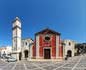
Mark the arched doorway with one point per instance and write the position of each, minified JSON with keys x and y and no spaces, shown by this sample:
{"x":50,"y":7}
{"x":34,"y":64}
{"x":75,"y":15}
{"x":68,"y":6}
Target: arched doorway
{"x":20,"y":55}
{"x":26,"y":54}
{"x":69,"y":53}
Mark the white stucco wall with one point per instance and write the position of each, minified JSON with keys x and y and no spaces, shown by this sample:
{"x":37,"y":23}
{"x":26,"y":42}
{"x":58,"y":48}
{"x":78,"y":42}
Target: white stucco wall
{"x":16,"y":36}
{"x":37,"y":46}
{"x":7,"y":50}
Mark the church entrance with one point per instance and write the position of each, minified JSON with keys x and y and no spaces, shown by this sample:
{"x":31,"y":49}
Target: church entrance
{"x":26,"y":54}
{"x":47,"y":54}
{"x":69,"y":53}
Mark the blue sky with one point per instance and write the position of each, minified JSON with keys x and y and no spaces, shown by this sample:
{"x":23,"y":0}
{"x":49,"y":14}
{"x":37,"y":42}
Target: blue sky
{"x":65,"y":16}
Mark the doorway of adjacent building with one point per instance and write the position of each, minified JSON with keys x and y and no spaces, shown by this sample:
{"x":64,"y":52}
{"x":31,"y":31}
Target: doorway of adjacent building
{"x":20,"y":55}
{"x":47,"y":54}
{"x":69,"y":53}
{"x":26,"y":54}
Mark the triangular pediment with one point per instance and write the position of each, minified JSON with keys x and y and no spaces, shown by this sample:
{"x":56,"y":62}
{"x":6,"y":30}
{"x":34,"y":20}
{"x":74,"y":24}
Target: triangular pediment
{"x":47,"y":31}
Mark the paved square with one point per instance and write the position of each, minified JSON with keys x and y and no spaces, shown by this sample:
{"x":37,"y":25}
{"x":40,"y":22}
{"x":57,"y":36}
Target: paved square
{"x":74,"y":63}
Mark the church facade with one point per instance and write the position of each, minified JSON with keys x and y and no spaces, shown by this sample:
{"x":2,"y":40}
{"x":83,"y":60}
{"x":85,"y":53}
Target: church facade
{"x":46,"y":45}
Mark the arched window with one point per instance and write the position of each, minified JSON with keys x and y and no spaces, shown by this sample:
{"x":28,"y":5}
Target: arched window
{"x":26,"y":43}
{"x":69,"y":43}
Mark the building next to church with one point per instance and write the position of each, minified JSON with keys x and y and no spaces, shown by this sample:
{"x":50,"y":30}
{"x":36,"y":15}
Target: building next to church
{"x":69,"y":48}
{"x":5,"y":51}
{"x":20,"y":47}
{"x":27,"y":48}
{"x":47,"y":44}
{"x":16,"y":38}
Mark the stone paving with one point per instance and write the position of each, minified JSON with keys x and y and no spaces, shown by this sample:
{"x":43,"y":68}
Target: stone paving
{"x":74,"y":63}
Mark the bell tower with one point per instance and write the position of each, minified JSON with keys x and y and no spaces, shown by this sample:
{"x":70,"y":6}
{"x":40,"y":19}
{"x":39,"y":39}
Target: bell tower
{"x":16,"y":37}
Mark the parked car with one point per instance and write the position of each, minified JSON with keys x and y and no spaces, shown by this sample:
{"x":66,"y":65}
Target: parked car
{"x":11,"y":59}
{"x":7,"y":57}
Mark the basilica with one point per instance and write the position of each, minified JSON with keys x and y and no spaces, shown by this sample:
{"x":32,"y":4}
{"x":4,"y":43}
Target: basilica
{"x":47,"y":44}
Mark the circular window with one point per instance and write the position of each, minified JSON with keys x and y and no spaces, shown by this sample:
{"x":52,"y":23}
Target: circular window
{"x":47,"y":38}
